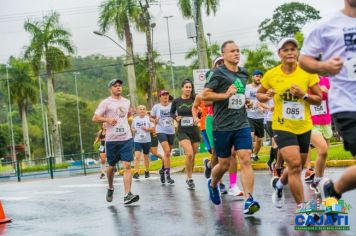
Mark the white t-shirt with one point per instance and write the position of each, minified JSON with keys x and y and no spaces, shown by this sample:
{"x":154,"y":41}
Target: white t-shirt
{"x":268,"y":113}
{"x":336,"y":36}
{"x":253,"y":112}
{"x":118,"y":110}
{"x":165,"y":123}
{"x":141,"y":136}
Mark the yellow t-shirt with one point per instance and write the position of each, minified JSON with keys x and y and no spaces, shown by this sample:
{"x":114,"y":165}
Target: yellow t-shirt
{"x":291,"y":113}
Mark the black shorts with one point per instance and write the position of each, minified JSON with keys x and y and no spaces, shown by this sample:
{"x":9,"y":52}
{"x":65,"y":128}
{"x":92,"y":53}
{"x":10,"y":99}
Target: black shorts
{"x":285,"y":139}
{"x":154,"y":141}
{"x":142,"y":147}
{"x":189,"y":133}
{"x":268,"y":128}
{"x":257,"y":127}
{"x":102,"y":146}
{"x":345,"y":123}
{"x":162,"y":137}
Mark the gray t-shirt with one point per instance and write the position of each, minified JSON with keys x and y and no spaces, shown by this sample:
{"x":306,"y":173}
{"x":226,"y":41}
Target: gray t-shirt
{"x":141,"y":135}
{"x":229,"y":114}
{"x":165,"y":123}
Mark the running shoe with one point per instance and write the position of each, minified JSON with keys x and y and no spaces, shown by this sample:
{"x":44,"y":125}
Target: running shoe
{"x":109,"y":195}
{"x":207,"y":169}
{"x":136,"y":176}
{"x":131,"y":198}
{"x":161,"y":174}
{"x":214,"y":194}
{"x":315,"y":187}
{"x":254,"y":157}
{"x":222,"y":188}
{"x":147,"y":174}
{"x":277,"y":171}
{"x":325,"y":187}
{"x":102,"y":175}
{"x":169,"y":180}
{"x":277,"y":196}
{"x":309,"y":175}
{"x":235,"y":191}
{"x":251,"y":206}
{"x":190,"y":184}
{"x":270,"y":167}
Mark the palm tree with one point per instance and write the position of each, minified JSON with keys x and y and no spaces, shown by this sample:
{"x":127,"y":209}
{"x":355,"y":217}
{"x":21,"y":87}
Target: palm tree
{"x":212,"y":52}
{"x":187,"y":9}
{"x":49,"y":42}
{"x":118,"y":14}
{"x":23,"y":91}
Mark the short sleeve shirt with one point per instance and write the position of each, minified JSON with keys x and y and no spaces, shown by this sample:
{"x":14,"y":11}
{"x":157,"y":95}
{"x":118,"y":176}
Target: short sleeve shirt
{"x":253,"y":112}
{"x":141,"y":135}
{"x":165,"y":123}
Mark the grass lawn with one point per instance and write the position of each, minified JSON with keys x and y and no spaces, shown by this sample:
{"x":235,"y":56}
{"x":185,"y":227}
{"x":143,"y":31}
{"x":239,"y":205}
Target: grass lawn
{"x":336,"y":152}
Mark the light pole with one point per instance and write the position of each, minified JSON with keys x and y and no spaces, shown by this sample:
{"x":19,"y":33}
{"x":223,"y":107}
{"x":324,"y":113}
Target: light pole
{"x":130,"y":70}
{"x":60,"y":133}
{"x":170,"y":55}
{"x":78,"y":115}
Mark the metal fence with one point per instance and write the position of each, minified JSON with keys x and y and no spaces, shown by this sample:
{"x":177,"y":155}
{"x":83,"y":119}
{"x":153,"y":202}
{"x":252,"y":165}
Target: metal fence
{"x":73,"y":164}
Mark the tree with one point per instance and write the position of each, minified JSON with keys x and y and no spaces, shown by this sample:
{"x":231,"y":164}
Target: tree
{"x":23,"y":90}
{"x":118,"y":14}
{"x":261,"y":58}
{"x":49,"y":41}
{"x":193,"y":10}
{"x":213,"y":51}
{"x":287,"y":20}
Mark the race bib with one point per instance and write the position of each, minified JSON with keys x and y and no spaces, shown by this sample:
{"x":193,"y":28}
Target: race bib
{"x":293,"y":110}
{"x":186,"y":121}
{"x":101,"y":148}
{"x":351,"y":68}
{"x":142,"y":135}
{"x":119,"y":130}
{"x":318,"y":110}
{"x":167,"y":122}
{"x":236,"y":101}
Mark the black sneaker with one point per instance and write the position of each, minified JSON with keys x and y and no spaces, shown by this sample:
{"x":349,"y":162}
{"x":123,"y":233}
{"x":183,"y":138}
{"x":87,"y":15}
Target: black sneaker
{"x":130,"y":198}
{"x":147,"y":174}
{"x":170,"y":180}
{"x":109,"y":195}
{"x":190,"y":184}
{"x":136,"y":176}
{"x":161,"y":174}
{"x":270,"y":167}
{"x":254,"y":157}
{"x":277,"y":196}
{"x":102,"y":175}
{"x":207,"y":169}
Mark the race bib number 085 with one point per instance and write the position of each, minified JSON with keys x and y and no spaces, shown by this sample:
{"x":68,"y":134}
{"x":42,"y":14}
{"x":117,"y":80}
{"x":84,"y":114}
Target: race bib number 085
{"x":236,"y":101}
{"x":293,"y":110}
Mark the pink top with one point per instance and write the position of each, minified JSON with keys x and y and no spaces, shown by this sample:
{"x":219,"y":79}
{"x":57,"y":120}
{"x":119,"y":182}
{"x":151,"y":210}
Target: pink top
{"x":321,"y":114}
{"x":118,"y":110}
{"x":210,"y":110}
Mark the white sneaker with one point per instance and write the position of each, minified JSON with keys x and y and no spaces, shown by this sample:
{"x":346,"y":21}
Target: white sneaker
{"x":235,"y":191}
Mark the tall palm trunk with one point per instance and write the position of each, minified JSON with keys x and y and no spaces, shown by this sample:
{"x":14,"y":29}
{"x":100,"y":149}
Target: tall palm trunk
{"x":151,"y":68}
{"x":203,"y":53}
{"x":130,"y":66}
{"x":26,"y":138}
{"x":53,"y":120}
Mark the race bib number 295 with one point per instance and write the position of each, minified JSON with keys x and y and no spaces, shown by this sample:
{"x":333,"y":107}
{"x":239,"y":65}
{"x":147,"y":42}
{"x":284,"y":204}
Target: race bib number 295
{"x":236,"y":101}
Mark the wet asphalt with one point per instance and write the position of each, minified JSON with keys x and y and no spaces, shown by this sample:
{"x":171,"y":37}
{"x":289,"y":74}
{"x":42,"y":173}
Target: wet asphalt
{"x":77,"y":206}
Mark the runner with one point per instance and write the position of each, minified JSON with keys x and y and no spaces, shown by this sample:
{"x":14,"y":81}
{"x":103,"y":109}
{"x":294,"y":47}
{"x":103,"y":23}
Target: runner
{"x":255,"y":114}
{"x":154,"y":143}
{"x":114,"y":111}
{"x":226,"y":88}
{"x":267,"y":121}
{"x":188,"y":131}
{"x":160,"y":114}
{"x":288,"y":84}
{"x":141,"y":128}
{"x":101,"y":137}
{"x":321,"y":134}
{"x":333,"y":37}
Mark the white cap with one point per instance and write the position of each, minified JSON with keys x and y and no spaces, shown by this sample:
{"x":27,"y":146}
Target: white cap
{"x":220,"y":58}
{"x":286,"y":40}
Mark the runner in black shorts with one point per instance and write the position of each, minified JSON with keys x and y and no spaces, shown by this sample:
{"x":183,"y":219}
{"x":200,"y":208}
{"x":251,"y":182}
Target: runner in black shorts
{"x":101,"y":137}
{"x":188,"y":131}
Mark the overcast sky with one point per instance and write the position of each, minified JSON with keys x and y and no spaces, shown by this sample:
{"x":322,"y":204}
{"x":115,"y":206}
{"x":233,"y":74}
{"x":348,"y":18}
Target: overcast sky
{"x":236,"y":19}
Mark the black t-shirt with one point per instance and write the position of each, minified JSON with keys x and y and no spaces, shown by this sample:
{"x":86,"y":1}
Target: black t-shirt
{"x":229,"y":114}
{"x":182,"y":107}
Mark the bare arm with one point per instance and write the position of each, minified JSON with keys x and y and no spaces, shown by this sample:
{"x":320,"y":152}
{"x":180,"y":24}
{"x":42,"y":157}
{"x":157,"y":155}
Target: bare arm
{"x":331,"y":66}
{"x":196,"y":106}
{"x":263,"y":95}
{"x":209,"y":95}
{"x":101,"y":119}
{"x":315,"y":98}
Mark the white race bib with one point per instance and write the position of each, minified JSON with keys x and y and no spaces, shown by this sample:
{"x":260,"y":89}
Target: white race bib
{"x":318,"y":110}
{"x":186,"y":121}
{"x":141,"y":135}
{"x":236,"y":101}
{"x":351,"y":68}
{"x":293,"y":110}
{"x":101,"y":148}
{"x":167,"y":122}
{"x":119,"y":130}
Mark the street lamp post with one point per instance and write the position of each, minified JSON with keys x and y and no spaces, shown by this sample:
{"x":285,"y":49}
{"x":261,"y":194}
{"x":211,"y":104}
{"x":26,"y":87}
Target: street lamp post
{"x":60,"y":133}
{"x":170,"y":55}
{"x":79,"y":124}
{"x":130,"y":70}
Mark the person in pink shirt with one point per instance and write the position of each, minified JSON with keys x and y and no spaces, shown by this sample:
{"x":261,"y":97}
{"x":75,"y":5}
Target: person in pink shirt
{"x":321,"y":134}
{"x":115,"y":110}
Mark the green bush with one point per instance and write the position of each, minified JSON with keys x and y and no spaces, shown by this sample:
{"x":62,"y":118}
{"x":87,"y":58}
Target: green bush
{"x":43,"y":167}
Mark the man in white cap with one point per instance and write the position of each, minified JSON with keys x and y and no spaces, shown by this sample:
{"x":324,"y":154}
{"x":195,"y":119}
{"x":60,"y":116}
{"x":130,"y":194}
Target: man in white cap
{"x":114,"y":111}
{"x":288,"y":84}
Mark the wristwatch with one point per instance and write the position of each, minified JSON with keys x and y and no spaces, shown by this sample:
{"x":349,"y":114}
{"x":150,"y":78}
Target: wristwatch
{"x":305,"y":97}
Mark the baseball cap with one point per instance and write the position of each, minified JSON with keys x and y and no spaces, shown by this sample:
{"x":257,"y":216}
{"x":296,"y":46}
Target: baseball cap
{"x":114,"y":81}
{"x":162,"y":92}
{"x":217,"y":60}
{"x":257,"y":72}
{"x":286,"y":40}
